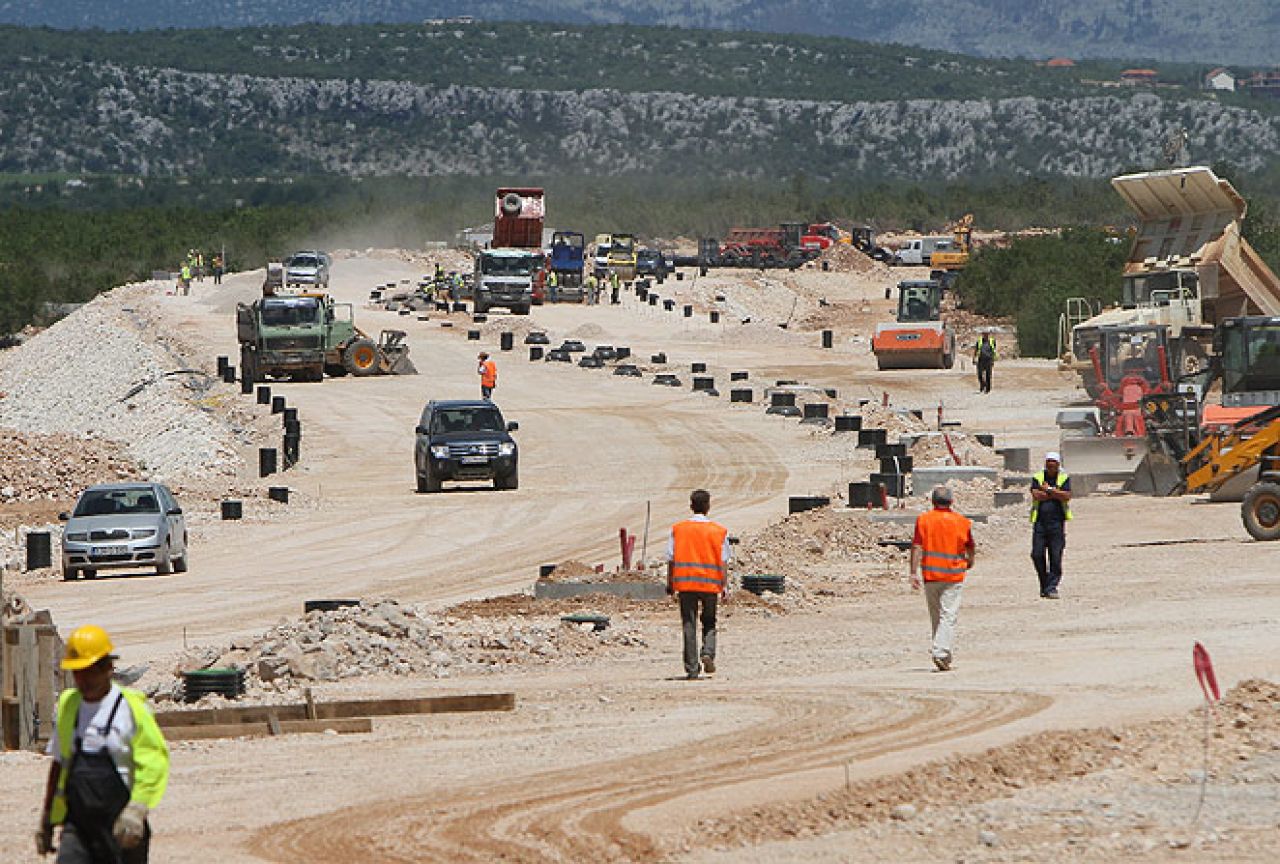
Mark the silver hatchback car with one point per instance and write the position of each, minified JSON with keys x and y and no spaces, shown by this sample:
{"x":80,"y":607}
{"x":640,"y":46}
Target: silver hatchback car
{"x":122,"y":526}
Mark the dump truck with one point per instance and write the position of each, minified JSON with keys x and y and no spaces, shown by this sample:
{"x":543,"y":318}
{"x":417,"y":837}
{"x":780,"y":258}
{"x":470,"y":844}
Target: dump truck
{"x":568,"y":262}
{"x":505,"y":272}
{"x":918,"y":339}
{"x":1188,"y":269}
{"x":758,"y":248}
{"x":303,"y":336}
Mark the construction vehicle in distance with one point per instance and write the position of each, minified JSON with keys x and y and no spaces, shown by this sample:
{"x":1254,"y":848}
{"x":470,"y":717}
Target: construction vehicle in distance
{"x":955,"y":257}
{"x":1188,"y":269}
{"x":622,"y":257}
{"x":758,"y":248}
{"x":568,"y":262}
{"x":303,"y":336}
{"x":864,"y":240}
{"x":919,"y":339}
{"x":506,"y":271}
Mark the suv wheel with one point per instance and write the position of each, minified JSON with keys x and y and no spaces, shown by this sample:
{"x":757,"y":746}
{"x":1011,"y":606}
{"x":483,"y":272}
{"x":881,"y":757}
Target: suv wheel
{"x":70,"y":574}
{"x":164,"y":564}
{"x":508,"y":481}
{"x":428,"y":483}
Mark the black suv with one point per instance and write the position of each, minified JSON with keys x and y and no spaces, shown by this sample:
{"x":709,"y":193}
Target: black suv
{"x":465,"y":439}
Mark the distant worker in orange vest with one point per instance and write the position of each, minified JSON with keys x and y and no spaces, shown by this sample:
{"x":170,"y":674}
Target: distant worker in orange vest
{"x":698,"y":555}
{"x":488,"y":371}
{"x":942,"y":551}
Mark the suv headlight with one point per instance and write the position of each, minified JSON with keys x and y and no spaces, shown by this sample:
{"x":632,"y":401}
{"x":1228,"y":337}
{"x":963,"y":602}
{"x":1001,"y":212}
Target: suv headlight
{"x":139,"y":533}
{"x":507,"y":448}
{"x":440,"y":451}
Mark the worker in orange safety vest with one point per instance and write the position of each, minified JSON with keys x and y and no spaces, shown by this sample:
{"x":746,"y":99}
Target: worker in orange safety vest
{"x":942,"y":551}
{"x":488,"y":371}
{"x":698,"y":554}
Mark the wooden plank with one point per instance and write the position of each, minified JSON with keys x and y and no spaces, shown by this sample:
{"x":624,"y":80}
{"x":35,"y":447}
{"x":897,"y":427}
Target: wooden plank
{"x":46,"y":693}
{"x":28,"y":674}
{"x":348,"y":726}
{"x":330,"y":710}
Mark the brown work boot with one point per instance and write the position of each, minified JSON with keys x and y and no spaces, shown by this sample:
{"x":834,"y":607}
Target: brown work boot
{"x":708,"y":664}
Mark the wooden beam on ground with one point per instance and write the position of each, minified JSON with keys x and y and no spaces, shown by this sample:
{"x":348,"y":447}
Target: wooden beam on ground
{"x":337,"y":710}
{"x":264,"y":729}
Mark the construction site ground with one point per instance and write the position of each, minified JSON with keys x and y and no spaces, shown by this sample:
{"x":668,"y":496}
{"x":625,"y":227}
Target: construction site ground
{"x":1068,"y":730}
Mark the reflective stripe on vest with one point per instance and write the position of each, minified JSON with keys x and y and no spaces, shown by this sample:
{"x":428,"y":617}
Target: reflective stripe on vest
{"x":1063,"y":476}
{"x":945,"y":539}
{"x":697,"y":564}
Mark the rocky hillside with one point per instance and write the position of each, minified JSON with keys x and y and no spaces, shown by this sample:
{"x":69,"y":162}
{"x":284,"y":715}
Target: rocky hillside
{"x":101,"y":117}
{"x":1241,"y":32}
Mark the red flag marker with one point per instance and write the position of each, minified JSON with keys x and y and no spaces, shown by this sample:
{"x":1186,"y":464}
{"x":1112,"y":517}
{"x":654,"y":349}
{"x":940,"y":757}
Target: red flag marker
{"x":1204,"y":673}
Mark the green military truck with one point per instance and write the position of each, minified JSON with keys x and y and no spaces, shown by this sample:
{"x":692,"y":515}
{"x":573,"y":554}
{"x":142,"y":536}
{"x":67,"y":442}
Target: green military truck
{"x":303,"y":336}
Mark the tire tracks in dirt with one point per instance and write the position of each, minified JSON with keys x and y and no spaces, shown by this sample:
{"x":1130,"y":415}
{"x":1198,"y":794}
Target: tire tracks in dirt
{"x":578,"y":814}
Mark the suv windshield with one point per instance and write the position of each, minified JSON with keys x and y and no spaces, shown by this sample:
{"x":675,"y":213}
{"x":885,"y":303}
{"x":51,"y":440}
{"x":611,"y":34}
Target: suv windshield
{"x":303,"y":261}
{"x":504,"y":266}
{"x":105,"y":502}
{"x":290,"y":311}
{"x":447,"y":420}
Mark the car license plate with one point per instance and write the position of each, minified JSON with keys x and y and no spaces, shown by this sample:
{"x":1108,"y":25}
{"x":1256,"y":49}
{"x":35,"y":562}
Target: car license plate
{"x":109,"y":550}
{"x":475,"y":460}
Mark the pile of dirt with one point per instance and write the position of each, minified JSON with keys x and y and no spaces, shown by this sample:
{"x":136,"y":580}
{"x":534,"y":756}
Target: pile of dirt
{"x":846,"y":259}
{"x":798,"y":544}
{"x":519,"y":326}
{"x":383,"y":637}
{"x":970,"y":496}
{"x":897,"y":421}
{"x":58,"y":467}
{"x":1151,"y":761}
{"x":590,"y":330}
{"x":109,"y":372}
{"x":931,"y":449}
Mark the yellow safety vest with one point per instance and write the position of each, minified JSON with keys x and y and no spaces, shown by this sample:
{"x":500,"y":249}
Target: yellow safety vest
{"x":150,"y":752}
{"x":1035,"y":505}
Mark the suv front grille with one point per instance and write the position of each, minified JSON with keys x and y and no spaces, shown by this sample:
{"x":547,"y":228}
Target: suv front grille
{"x":457,"y":451}
{"x":115,"y":534}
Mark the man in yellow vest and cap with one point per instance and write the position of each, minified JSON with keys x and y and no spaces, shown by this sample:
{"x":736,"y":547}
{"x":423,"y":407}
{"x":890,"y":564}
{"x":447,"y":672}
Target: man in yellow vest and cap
{"x":110,"y":762}
{"x":1050,"y":513}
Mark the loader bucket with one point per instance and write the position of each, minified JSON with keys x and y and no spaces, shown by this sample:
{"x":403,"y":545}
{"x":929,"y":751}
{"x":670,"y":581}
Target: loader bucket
{"x":1157,"y":474}
{"x":393,"y":354}
{"x":1096,"y":460}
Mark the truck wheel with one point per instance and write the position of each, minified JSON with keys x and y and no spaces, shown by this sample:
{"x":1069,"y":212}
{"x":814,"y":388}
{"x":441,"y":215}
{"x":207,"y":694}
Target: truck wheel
{"x":479,"y":308}
{"x":1261,"y":511}
{"x":361,"y":358}
{"x":248,"y":369}
{"x":520,"y":310}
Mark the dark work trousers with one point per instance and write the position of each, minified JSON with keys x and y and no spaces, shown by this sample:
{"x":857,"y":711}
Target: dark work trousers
{"x":486,"y":392}
{"x":689,"y":601}
{"x":73,"y":850}
{"x":1047,"y":542}
{"x":984,"y":373}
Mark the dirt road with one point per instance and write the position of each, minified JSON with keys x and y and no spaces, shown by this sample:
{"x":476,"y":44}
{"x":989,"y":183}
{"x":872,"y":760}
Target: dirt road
{"x":616,"y":760}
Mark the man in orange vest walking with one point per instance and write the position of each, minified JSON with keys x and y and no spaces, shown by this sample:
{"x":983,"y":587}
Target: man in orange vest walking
{"x":942,"y":551}
{"x":697,"y":556}
{"x":488,"y":375}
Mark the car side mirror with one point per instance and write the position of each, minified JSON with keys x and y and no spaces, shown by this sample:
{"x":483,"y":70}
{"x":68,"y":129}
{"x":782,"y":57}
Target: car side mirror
{"x":421,"y":430}
{"x":174,"y":511}
{"x":512,"y":427}
{"x":64,"y":516}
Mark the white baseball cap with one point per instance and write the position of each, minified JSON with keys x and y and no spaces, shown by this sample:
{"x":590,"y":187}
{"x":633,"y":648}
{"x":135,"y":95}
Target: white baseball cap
{"x":1053,"y":456}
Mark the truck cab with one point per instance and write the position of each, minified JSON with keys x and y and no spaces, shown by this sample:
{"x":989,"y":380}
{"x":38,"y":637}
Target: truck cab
{"x":568,"y":262}
{"x":504,"y":277}
{"x":600,"y":257}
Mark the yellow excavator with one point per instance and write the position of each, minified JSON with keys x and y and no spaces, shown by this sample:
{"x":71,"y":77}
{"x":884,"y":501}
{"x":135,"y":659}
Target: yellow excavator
{"x":956,"y":257}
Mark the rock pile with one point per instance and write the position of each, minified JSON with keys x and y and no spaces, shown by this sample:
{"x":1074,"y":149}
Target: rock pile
{"x":57,"y":467}
{"x":99,"y":373}
{"x":896,"y":420}
{"x":383,"y":637}
{"x":801,"y":542}
{"x":846,"y":259}
{"x":931,"y":449}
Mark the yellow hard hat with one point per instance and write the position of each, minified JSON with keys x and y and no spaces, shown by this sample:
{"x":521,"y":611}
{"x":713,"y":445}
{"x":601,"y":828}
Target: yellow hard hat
{"x":85,"y":646}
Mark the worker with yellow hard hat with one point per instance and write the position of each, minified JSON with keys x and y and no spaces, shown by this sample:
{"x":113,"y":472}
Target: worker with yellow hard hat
{"x":110,"y":762}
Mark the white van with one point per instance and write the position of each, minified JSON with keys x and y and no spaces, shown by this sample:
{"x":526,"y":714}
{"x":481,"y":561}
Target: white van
{"x":920,"y":250}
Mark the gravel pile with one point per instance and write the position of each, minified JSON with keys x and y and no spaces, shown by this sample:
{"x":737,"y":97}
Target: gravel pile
{"x":896,"y":420}
{"x":383,"y":637}
{"x":797,"y":544}
{"x":845,"y":259}
{"x":931,"y":449}
{"x":99,"y":373}
{"x":57,"y":467}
